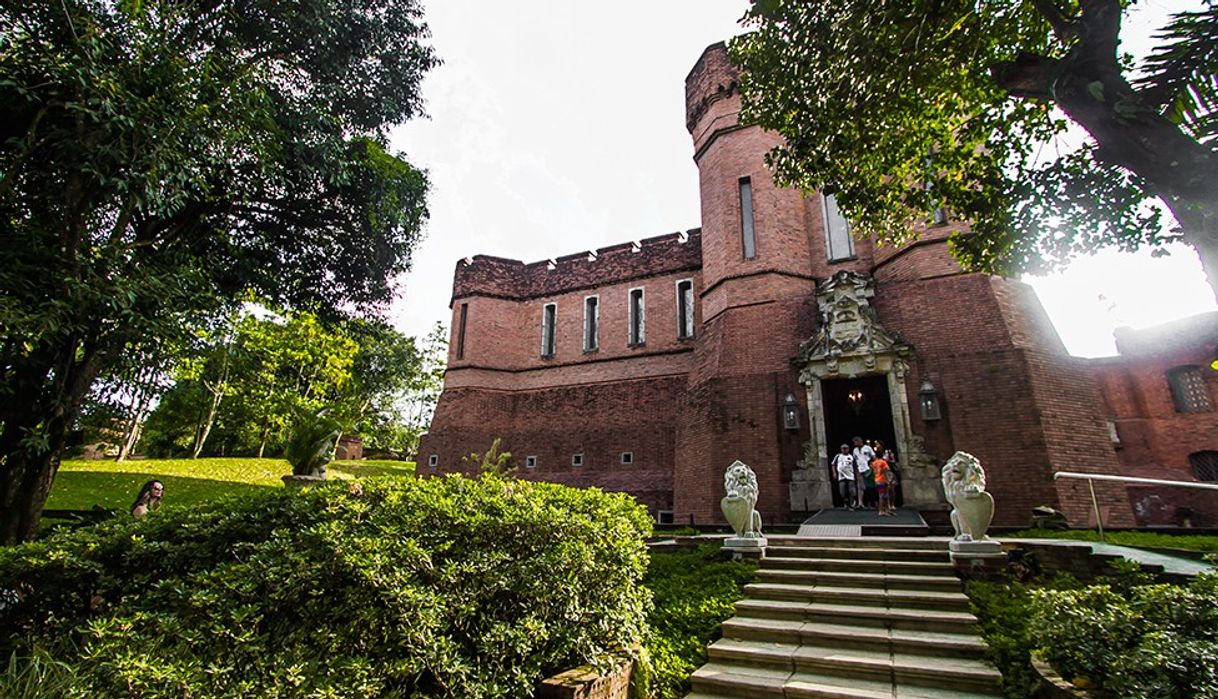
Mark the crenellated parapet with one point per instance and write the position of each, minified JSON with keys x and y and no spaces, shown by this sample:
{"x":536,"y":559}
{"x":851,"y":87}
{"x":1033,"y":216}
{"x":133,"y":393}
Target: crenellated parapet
{"x":497,"y":277}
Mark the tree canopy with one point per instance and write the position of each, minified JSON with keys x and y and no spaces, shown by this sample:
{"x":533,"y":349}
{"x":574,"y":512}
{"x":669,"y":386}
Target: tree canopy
{"x":163,"y":158}
{"x":903,"y":108}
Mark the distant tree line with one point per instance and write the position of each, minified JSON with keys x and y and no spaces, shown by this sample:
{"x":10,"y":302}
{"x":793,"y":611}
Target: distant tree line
{"x":236,"y":385}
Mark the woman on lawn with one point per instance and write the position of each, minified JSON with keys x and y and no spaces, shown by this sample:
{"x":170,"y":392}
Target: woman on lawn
{"x":149,"y":498}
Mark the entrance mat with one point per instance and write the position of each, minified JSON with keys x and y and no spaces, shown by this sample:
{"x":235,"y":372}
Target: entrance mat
{"x":902,"y":518}
{"x":905,"y":522}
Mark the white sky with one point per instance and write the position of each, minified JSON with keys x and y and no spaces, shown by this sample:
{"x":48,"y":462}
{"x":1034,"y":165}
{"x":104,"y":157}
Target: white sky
{"x":558,"y":127}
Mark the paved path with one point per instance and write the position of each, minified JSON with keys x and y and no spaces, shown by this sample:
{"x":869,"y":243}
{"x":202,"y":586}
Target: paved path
{"x":1177,"y":565}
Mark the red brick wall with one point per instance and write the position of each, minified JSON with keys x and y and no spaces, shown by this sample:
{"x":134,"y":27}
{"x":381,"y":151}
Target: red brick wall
{"x":1155,"y":439}
{"x":1011,"y":396}
{"x":598,"y":420}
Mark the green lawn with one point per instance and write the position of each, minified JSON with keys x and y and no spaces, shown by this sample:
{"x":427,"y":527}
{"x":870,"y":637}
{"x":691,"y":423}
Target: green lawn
{"x":82,"y":484}
{"x":1150,"y":540}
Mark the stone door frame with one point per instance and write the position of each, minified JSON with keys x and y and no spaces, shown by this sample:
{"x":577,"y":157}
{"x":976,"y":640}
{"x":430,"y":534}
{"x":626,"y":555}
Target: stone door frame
{"x":890,"y":365}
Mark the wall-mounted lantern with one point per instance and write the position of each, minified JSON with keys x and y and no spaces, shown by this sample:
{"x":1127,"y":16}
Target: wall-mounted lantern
{"x":790,"y":413}
{"x":928,"y":401}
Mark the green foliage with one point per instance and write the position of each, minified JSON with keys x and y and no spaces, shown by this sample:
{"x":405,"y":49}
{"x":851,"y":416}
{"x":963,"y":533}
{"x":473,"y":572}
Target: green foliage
{"x":163,"y":159}
{"x":429,"y":587}
{"x":1151,"y":540}
{"x":694,"y":592}
{"x":493,"y":462}
{"x":1003,"y":610}
{"x":900,"y":109}
{"x":310,"y":445}
{"x":1145,"y":641}
{"x":36,"y":676}
{"x":189,"y":483}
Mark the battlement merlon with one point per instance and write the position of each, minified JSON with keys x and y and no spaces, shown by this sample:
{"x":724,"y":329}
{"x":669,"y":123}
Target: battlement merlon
{"x":498,"y":277}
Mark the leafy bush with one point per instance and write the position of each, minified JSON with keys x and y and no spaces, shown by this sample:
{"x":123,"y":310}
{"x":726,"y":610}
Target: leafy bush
{"x":1144,"y":641}
{"x":387,"y":587}
{"x":36,"y":676}
{"x":694,"y":592}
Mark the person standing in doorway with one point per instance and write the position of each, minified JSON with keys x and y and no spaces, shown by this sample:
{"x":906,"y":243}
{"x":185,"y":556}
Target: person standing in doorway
{"x":843,"y":469}
{"x":863,"y":456}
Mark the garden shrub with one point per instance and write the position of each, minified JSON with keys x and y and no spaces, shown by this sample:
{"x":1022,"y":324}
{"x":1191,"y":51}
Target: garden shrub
{"x":386,"y":587}
{"x":1144,"y":640}
{"x":694,"y":592}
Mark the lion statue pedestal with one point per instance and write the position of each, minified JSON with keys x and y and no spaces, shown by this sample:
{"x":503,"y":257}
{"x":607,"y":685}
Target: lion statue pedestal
{"x":972,"y":510}
{"x":740,"y":508}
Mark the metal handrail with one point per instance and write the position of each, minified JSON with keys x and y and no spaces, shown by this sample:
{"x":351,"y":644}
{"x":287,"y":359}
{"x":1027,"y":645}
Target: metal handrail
{"x":1092,"y":477}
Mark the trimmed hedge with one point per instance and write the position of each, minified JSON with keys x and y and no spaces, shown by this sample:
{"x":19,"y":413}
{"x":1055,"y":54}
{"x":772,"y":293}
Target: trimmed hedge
{"x":387,"y":587}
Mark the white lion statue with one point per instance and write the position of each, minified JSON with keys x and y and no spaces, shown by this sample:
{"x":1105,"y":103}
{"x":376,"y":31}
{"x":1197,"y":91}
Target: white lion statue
{"x":964,"y":486}
{"x":739,"y":505}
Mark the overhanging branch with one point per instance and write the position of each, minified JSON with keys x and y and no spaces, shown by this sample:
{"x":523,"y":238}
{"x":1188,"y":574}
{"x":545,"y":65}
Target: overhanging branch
{"x":1029,"y":76}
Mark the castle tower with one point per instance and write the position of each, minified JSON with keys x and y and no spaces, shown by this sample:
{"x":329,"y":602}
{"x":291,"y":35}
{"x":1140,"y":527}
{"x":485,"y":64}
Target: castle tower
{"x":791,"y":305}
{"x":757,"y":305}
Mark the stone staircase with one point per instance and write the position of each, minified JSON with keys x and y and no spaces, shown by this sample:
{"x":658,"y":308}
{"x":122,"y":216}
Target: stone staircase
{"x":850,"y":618}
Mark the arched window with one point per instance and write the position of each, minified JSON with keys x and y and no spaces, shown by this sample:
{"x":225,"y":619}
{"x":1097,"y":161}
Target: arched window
{"x":1205,"y":465}
{"x":1188,"y":389}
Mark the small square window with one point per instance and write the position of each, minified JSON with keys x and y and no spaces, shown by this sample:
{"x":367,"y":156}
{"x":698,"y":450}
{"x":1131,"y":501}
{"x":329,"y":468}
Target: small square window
{"x":664,"y":517}
{"x":627,"y":457}
{"x":577,"y":459}
{"x":433,"y":460}
{"x":530,"y":462}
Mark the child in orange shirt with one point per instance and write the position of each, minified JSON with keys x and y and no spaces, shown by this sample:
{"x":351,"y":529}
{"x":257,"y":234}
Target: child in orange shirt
{"x":883,"y":476}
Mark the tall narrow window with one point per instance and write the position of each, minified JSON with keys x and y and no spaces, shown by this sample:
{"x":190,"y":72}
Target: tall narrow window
{"x":746,"y":218}
{"x":591,"y":323}
{"x":548,"y":316}
{"x":1188,"y":390}
{"x":685,"y":309}
{"x":638,"y":333}
{"x":837,"y":231}
{"x":461,"y":331}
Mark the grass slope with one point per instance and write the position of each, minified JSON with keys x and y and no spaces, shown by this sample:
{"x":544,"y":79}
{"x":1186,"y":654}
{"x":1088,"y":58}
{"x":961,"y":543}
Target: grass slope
{"x":82,"y":484}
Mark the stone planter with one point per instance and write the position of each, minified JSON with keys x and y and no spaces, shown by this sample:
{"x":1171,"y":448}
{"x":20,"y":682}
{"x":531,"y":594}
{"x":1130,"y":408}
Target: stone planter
{"x":1053,"y":685}
{"x":586,"y":683}
{"x":298,"y":482}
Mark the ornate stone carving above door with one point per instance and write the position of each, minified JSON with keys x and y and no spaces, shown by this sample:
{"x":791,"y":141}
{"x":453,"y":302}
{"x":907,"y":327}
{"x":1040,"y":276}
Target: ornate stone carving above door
{"x":849,"y":339}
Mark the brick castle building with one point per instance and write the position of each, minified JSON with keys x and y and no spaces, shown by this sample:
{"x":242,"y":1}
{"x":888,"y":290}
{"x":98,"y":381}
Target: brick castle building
{"x":770,"y":336}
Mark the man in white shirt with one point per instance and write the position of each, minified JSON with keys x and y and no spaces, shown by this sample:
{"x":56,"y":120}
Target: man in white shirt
{"x":843,"y":468}
{"x":863,"y":456}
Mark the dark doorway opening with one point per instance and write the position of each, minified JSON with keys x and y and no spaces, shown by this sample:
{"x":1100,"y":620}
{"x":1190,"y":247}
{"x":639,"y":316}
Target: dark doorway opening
{"x":857,"y":408}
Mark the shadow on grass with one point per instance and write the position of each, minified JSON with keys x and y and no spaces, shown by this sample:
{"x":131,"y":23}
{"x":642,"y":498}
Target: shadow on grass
{"x":81,"y":490}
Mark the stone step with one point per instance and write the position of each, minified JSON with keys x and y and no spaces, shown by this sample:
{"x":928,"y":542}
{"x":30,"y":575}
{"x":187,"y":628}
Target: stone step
{"x":717,"y":679}
{"x":944,"y":568}
{"x":794,"y":569}
{"x":856,"y":616}
{"x":859,"y":554}
{"x":873,"y":665}
{"x":859,"y":596}
{"x":852,"y":542}
{"x":963,"y":645}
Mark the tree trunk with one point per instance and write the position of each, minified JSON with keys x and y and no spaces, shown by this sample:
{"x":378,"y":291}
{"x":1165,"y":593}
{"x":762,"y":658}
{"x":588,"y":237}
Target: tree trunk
{"x":206,"y":425}
{"x":217,"y":394}
{"x":45,"y":403}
